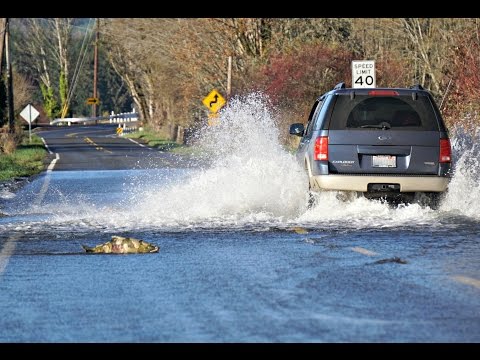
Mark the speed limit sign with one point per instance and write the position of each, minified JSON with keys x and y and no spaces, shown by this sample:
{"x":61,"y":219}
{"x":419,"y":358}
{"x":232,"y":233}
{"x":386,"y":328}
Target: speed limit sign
{"x":363,"y":73}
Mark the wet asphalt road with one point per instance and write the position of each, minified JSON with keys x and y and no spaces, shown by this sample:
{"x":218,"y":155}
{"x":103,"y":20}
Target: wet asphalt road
{"x":366,"y":274}
{"x":97,"y":147}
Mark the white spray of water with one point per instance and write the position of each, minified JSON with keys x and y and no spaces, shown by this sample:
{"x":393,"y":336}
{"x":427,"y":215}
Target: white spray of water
{"x":463,"y":196}
{"x":254,"y":182}
{"x":252,"y":177}
{"x":461,"y":199}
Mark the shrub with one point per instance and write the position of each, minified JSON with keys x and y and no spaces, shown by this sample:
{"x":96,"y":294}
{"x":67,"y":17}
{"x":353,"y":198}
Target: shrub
{"x":10,"y":141}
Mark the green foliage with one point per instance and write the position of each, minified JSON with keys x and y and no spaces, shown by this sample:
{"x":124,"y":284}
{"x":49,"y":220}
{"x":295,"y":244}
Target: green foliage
{"x":50,"y":103}
{"x":27,"y":160}
{"x":29,"y":60}
{"x":63,"y":89}
{"x":153,"y":139}
{"x":157,"y":140}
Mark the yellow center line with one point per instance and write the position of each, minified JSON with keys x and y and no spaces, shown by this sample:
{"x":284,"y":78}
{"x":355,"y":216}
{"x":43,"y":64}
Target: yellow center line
{"x":98,"y":147}
{"x":72,"y":134}
{"x":364,"y":251}
{"x":467,"y":280}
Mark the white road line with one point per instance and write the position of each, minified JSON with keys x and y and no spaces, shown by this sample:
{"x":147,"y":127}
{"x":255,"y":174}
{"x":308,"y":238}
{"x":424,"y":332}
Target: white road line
{"x":364,"y":251}
{"x":52,"y":164}
{"x":46,"y":146}
{"x":9,"y":246}
{"x":139,"y":144}
{"x":46,"y":182}
{"x":467,"y":280}
{"x":7,"y":251}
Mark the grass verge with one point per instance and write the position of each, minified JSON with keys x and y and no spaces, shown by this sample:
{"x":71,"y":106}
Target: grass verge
{"x":26,"y":160}
{"x":157,"y":140}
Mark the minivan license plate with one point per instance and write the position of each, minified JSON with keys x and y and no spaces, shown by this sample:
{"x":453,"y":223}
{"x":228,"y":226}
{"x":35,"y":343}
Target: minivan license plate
{"x":384,"y":161}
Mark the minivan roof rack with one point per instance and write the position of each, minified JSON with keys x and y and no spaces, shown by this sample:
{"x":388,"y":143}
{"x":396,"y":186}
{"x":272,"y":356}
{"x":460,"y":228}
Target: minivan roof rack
{"x":417,"y":87}
{"x":340,"y":85}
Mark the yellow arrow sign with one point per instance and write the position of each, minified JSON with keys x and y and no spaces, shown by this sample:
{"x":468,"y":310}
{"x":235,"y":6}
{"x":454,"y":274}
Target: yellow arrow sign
{"x":214,"y":101}
{"x":93,"y":101}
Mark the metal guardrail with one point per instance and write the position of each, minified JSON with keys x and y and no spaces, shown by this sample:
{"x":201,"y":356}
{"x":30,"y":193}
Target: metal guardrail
{"x":132,"y":115}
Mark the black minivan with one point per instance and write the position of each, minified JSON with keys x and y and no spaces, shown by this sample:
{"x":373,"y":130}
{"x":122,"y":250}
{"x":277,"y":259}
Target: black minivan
{"x":382,"y":143}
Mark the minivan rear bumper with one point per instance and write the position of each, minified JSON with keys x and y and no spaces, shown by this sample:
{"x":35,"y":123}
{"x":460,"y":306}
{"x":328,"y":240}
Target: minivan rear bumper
{"x":361,"y":182}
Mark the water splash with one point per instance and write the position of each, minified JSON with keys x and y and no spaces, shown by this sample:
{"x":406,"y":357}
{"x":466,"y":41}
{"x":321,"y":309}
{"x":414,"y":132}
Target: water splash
{"x":253,"y":182}
{"x":463,"y":196}
{"x":252,"y":177}
{"x":461,"y":199}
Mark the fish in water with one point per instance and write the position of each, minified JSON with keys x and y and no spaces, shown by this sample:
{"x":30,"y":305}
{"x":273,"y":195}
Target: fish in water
{"x":395,"y":259}
{"x":123,"y":245}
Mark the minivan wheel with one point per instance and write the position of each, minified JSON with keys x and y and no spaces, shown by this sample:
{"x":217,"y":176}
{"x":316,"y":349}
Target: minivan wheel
{"x":392,"y":199}
{"x":428,"y":199}
{"x":348,"y":196}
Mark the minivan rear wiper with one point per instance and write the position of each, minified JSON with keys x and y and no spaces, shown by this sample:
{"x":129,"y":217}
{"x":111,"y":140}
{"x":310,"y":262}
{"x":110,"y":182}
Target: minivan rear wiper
{"x":383,"y":125}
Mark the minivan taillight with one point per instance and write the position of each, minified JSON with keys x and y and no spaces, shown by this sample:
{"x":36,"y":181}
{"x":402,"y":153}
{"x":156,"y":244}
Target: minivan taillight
{"x":321,"y":148}
{"x":383,"y":93}
{"x":445,"y":151}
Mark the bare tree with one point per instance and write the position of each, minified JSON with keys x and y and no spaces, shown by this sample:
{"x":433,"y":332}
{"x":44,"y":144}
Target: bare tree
{"x":169,"y":65}
{"x":62,"y":28}
{"x":23,"y":90}
{"x":46,"y":42}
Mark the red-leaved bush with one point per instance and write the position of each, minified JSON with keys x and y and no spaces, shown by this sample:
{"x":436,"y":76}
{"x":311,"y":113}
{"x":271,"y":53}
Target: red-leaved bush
{"x":294,"y":80}
{"x":462,"y":81}
{"x":301,"y":76}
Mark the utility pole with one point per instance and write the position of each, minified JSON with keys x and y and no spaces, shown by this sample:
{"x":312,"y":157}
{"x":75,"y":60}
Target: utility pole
{"x":229,"y":77}
{"x":3,"y":31}
{"x":11,"y":118}
{"x":95,"y":70}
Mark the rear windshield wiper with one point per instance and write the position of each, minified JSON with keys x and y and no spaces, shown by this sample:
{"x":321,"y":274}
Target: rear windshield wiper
{"x":383,"y":125}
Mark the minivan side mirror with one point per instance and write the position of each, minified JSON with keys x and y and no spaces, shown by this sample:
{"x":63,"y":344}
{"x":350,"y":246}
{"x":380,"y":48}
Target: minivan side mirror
{"x":297,"y":129}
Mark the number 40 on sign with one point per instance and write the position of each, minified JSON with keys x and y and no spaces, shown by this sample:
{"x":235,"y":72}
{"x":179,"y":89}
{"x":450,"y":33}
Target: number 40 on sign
{"x":363,"y":74}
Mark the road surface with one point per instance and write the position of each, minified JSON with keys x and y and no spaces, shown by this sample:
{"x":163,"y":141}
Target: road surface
{"x":241,"y":257}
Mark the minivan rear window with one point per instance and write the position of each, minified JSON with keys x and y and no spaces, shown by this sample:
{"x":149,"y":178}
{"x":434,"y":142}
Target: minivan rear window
{"x":379,"y":112}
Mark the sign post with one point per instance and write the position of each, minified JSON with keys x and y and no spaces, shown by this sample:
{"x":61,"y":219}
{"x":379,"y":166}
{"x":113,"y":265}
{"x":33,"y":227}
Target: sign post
{"x":363,"y":74}
{"x":29,"y":113}
{"x":214,"y":102}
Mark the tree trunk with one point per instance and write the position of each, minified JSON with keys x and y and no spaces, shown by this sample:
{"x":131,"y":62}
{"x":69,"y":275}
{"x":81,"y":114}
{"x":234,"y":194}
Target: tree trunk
{"x":3,"y":23}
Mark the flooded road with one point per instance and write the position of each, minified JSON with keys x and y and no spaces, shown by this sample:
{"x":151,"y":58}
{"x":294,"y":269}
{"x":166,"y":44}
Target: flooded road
{"x":242,"y":258}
